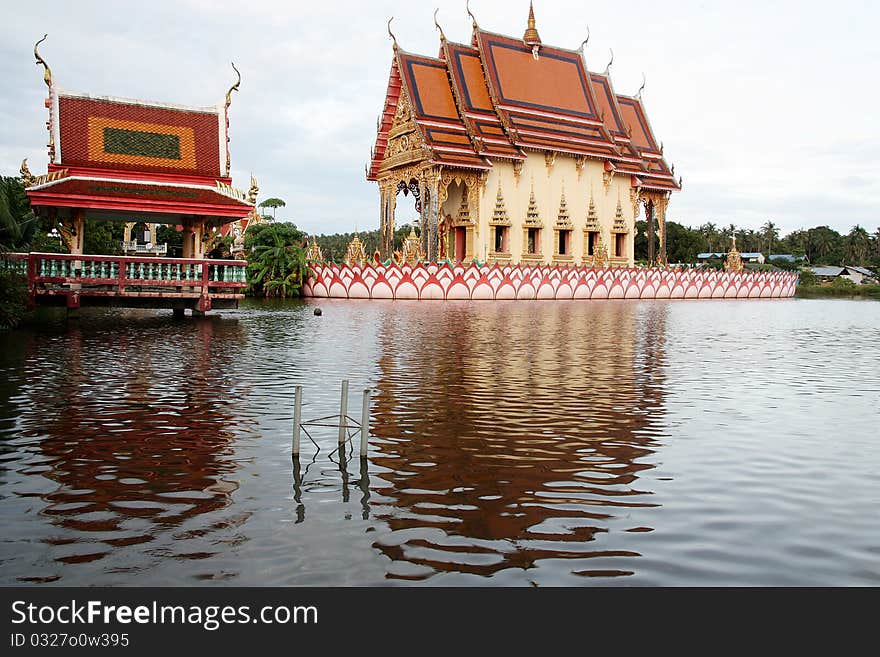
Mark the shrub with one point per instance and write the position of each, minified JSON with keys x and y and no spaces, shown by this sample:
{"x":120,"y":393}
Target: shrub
{"x":13,"y":298}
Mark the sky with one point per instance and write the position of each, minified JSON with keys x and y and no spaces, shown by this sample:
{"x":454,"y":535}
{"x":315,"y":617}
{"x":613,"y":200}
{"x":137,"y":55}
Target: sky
{"x":768,"y":109}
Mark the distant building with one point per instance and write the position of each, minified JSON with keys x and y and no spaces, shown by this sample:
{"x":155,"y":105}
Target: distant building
{"x":785,"y":257}
{"x":858,"y":275}
{"x":757,"y":258}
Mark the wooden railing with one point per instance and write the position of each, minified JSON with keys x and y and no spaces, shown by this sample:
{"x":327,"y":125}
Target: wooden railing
{"x":125,"y":276}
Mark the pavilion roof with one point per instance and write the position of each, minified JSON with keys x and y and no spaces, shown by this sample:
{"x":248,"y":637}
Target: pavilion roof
{"x":139,"y":198}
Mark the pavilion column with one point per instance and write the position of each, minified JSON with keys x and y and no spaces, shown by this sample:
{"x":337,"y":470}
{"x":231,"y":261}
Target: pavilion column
{"x":77,"y":240}
{"x":649,"y":218}
{"x":192,"y":238}
{"x":198,"y":244}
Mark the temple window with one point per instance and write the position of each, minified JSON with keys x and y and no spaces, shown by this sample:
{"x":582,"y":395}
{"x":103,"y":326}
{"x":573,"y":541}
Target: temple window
{"x":500,"y":239}
{"x":533,"y":241}
{"x":592,"y":237}
{"x":620,"y":245}
{"x":564,"y":242}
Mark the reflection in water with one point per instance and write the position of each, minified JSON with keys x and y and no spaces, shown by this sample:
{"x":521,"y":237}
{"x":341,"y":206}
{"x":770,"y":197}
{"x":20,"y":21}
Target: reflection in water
{"x":135,"y":434}
{"x":516,"y":438}
{"x":552,"y":443}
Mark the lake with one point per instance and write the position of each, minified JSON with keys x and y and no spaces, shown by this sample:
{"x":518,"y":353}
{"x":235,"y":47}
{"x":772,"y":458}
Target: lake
{"x":513,"y":444}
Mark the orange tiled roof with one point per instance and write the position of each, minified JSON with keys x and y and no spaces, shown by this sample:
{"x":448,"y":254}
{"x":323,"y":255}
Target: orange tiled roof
{"x":494,"y":98}
{"x":475,"y":104}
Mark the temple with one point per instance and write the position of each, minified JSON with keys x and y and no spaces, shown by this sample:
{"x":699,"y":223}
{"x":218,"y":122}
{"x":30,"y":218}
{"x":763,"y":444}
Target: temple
{"x":515,"y":152}
{"x":142,"y":163}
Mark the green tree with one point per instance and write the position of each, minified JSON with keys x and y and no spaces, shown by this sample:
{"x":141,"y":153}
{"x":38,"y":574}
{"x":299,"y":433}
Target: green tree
{"x":770,"y":235}
{"x":18,"y":224}
{"x":274,"y":204}
{"x":858,"y":246}
{"x":276,"y":256}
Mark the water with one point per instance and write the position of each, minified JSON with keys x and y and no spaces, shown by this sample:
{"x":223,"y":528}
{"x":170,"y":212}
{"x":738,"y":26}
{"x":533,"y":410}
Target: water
{"x":551,"y":443}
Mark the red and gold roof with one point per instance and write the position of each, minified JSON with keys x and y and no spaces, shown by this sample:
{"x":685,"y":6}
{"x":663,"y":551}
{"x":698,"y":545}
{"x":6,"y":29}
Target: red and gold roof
{"x":501,"y":96}
{"x":121,"y":155}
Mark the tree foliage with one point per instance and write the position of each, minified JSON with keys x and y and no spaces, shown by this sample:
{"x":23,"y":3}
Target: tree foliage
{"x":276,"y":255}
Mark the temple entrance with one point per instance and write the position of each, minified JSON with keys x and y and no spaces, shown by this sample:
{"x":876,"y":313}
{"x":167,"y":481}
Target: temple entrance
{"x":460,"y":244}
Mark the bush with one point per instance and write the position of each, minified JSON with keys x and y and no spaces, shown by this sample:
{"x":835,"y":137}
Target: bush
{"x":841,"y":283}
{"x":807,"y":277}
{"x":13,"y":298}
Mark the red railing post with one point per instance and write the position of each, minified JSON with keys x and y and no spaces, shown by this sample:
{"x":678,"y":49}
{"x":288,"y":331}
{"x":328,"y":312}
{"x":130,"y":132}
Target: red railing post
{"x":122,"y":276}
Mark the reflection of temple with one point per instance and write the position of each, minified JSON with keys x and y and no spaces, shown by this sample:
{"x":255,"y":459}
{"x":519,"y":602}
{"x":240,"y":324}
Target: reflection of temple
{"x":504,"y":448}
{"x":513,"y":151}
{"x":138,"y":460}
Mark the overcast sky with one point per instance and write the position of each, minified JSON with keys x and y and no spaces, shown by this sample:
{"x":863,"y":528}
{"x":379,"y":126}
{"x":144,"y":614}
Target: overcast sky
{"x":767,"y":108}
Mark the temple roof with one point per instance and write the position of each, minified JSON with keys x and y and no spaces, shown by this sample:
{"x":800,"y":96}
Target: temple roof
{"x":427,"y":83}
{"x":119,"y":155}
{"x":501,"y":95}
{"x":115,"y":195}
{"x":475,"y":105}
{"x":136,"y":136}
{"x":546,"y":103}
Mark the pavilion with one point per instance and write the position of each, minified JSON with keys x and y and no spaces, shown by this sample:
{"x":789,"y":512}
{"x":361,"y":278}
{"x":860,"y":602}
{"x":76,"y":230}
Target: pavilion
{"x":136,"y":161}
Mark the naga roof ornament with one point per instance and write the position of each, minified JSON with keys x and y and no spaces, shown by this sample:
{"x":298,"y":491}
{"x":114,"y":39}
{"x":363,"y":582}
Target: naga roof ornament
{"x":47,"y":73}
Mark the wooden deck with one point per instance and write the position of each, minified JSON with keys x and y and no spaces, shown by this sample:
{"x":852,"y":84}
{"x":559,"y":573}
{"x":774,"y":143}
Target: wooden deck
{"x":129,"y":282}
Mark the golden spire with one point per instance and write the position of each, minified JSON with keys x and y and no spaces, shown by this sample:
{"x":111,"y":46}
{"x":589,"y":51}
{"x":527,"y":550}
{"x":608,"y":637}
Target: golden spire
{"x":437,"y":25}
{"x":533,"y":217}
{"x":253,"y":191}
{"x":391,"y":34}
{"x":47,"y":73}
{"x":27,"y":178}
{"x":464,"y":211}
{"x":234,"y":87}
{"x":562,"y":218}
{"x":499,"y":216}
{"x":531,"y":37}
{"x":467,"y":5}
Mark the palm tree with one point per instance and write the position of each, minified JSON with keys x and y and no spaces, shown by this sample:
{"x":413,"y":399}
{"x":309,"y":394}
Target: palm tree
{"x":858,"y":245}
{"x":770,"y":233}
{"x":277,"y":268}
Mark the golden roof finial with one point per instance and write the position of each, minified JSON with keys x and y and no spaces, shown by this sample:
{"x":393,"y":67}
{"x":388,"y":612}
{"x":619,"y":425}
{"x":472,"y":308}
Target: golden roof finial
{"x":531,"y":37}
{"x":47,"y":74}
{"x":608,"y":68}
{"x":437,"y":25}
{"x":467,"y":5}
{"x":234,"y":87}
{"x":27,"y":178}
{"x":253,"y":191}
{"x":391,"y":34}
{"x":587,"y":40}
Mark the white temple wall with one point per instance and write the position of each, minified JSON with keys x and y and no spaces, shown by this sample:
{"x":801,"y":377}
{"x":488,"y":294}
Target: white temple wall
{"x":548,"y":184}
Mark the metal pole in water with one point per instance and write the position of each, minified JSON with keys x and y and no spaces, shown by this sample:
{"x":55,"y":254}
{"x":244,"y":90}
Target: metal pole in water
{"x":343,"y":411}
{"x":365,"y":423}
{"x":297,"y":419}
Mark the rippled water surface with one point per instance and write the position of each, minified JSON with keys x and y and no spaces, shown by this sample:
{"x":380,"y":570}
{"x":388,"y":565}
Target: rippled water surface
{"x":550,"y":443}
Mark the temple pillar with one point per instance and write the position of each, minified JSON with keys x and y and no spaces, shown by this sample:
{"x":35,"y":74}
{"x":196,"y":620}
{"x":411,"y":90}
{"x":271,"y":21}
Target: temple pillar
{"x":431,"y":252}
{"x":649,"y":218}
{"x":662,"y":204}
{"x":388,"y":199}
{"x":425,"y":196}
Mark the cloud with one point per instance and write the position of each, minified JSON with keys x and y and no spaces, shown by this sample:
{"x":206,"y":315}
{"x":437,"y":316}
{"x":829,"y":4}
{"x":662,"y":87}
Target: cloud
{"x":763,"y":107}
